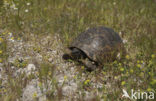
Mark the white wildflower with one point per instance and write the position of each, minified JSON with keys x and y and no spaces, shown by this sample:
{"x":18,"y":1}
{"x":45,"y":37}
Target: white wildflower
{"x":28,"y":3}
{"x":31,"y":67}
{"x":124,"y":41}
{"x":26,"y":10}
{"x":15,"y":8}
{"x":120,"y":33}
{"x":118,"y":55}
{"x":114,"y":3}
{"x":10,"y":34}
{"x":12,"y":39}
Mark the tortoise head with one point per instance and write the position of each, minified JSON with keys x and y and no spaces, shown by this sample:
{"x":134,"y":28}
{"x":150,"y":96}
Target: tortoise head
{"x":67,"y":54}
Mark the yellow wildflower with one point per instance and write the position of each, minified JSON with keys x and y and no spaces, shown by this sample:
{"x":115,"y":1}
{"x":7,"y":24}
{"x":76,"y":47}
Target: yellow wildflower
{"x":150,"y":73}
{"x":115,"y":62}
{"x":141,"y":74}
{"x":153,"y":81}
{"x":49,"y":73}
{"x":138,"y":65}
{"x":5,"y":90}
{"x":116,"y":77}
{"x":82,"y":67}
{"x":10,"y":33}
{"x":1,"y":51}
{"x":65,"y":77}
{"x":150,"y":62}
{"x":153,"y":56}
{"x":34,"y":95}
{"x":127,"y":57}
{"x":86,"y":82}
{"x":104,"y":73}
{"x":149,"y":89}
{"x":131,"y":71}
{"x":45,"y":8}
{"x":1,"y":39}
{"x":40,"y":84}
{"x":127,"y":73}
{"x":12,"y":38}
{"x":121,"y":69}
{"x":0,"y":60}
{"x":19,"y":39}
{"x":138,"y":61}
{"x":75,"y":77}
{"x":37,"y":73}
{"x":3,"y":33}
{"x":123,"y":83}
{"x":119,"y":64}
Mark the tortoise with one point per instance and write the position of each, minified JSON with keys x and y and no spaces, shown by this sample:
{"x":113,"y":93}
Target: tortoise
{"x":95,"y":47}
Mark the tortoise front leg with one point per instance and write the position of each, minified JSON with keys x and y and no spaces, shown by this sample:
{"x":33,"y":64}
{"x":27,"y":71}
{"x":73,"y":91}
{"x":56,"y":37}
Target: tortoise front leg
{"x":89,"y":64}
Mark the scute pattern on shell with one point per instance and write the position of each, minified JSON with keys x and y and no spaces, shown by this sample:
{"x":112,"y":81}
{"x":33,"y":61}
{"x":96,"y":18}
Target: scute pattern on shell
{"x":98,"y":43}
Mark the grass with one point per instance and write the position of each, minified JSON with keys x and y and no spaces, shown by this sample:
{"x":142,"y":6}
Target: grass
{"x":134,"y":20}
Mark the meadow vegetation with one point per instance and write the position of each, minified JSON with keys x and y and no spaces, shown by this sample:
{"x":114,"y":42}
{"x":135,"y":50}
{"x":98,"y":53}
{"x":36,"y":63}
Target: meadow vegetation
{"x":134,"y":20}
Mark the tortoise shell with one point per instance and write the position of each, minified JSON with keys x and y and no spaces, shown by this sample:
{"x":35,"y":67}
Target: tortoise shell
{"x":100,"y":44}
